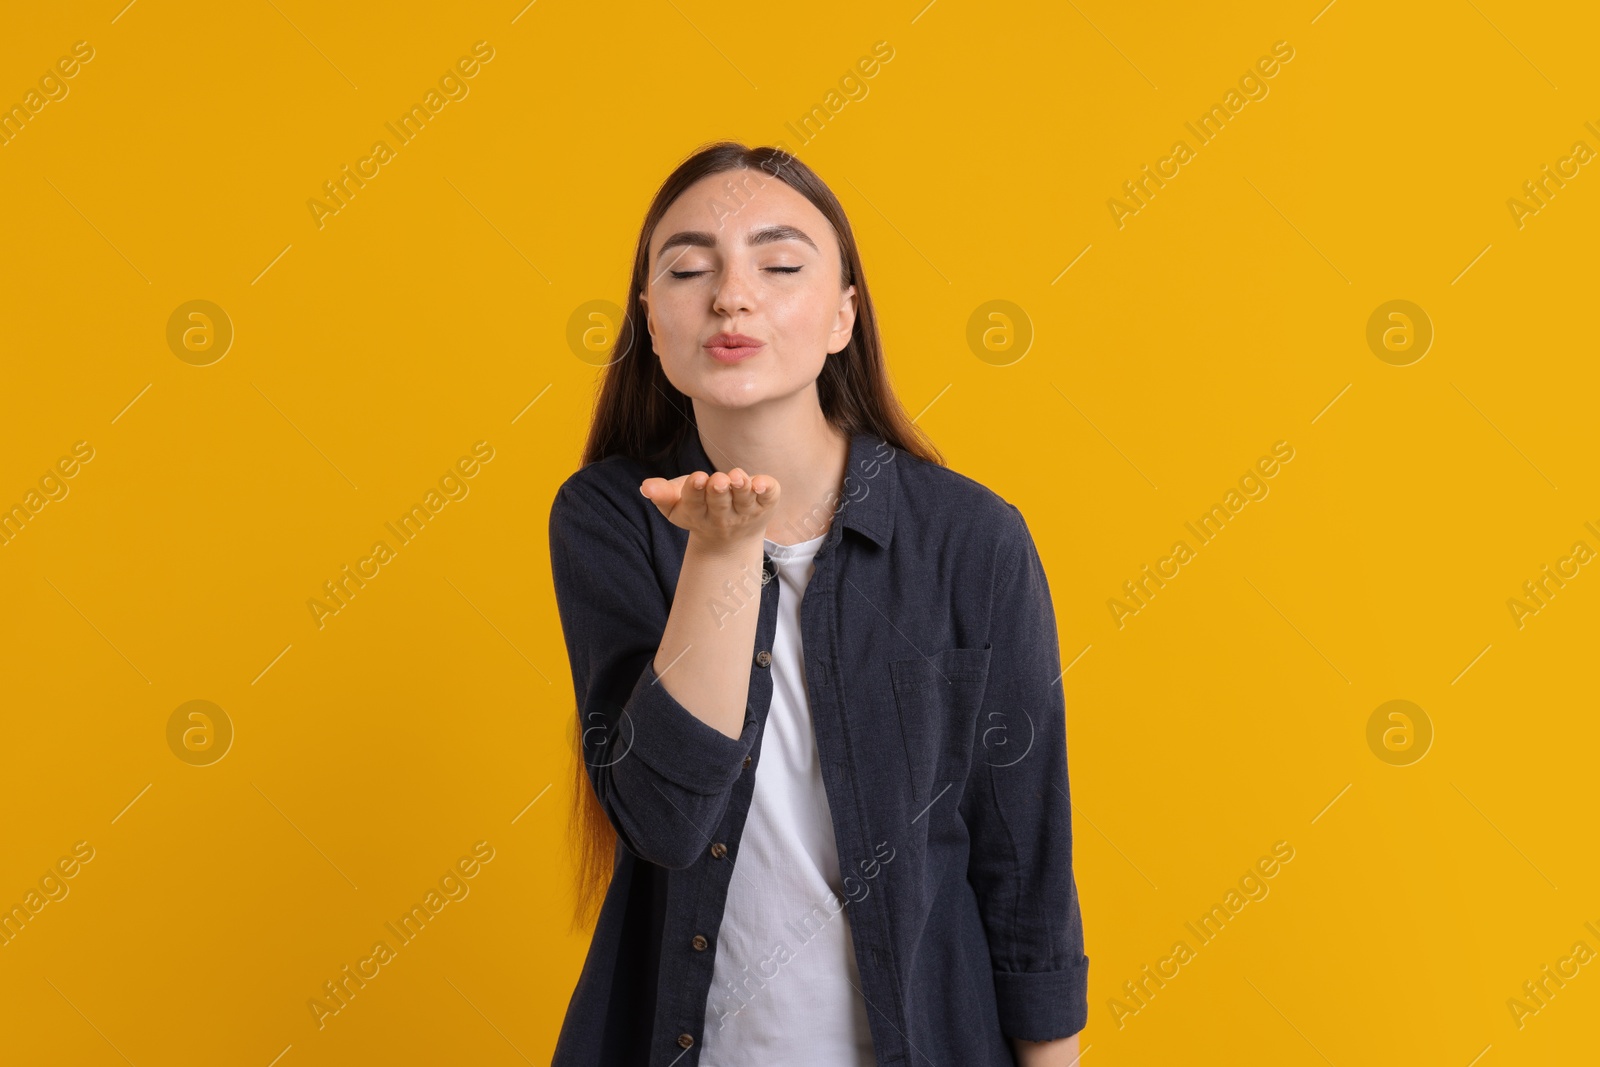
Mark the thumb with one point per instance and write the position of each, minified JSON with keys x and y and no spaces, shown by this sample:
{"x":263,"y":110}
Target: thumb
{"x":659,"y":492}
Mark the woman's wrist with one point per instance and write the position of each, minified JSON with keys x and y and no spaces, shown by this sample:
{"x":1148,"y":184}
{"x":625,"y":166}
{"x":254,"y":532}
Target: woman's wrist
{"x":741,"y":547}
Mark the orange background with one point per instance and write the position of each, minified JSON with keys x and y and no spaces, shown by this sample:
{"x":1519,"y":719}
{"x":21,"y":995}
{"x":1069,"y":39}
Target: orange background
{"x":436,"y":310}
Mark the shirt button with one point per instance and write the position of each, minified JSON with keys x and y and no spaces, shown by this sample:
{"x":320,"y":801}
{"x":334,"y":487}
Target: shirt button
{"x":764,"y":658}
{"x":747,"y":761}
{"x":699,"y":943}
{"x":767,"y":572}
{"x":719,"y":850}
{"x":685,"y":1040}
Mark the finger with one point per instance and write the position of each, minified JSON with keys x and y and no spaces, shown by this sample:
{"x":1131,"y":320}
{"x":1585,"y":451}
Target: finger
{"x":673,"y":491}
{"x":744,"y":498}
{"x":652,"y":490}
{"x":719,"y":500}
{"x":694,"y":494}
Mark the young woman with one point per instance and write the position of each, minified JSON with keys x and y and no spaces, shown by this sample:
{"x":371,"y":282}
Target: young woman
{"x":821,"y":769}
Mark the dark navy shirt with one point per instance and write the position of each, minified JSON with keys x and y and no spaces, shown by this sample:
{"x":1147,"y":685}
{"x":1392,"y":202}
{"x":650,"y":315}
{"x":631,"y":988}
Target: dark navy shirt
{"x":933,"y":673}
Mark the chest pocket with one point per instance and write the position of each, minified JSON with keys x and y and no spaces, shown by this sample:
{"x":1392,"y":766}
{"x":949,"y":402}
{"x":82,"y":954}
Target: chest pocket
{"x":938,"y":698}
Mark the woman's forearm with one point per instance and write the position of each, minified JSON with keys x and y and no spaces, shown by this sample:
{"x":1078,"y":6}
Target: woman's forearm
{"x":704,"y":659}
{"x":1062,"y":1052}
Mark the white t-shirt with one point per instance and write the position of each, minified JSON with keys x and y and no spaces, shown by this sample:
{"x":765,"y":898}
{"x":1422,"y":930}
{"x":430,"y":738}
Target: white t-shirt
{"x":785,"y":985}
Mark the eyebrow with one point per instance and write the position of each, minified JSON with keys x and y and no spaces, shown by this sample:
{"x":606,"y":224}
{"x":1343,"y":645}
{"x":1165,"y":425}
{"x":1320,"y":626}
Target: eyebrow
{"x":762,"y":236}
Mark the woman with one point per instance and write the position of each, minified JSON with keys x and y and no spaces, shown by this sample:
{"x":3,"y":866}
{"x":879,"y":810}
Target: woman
{"x":822,"y":748}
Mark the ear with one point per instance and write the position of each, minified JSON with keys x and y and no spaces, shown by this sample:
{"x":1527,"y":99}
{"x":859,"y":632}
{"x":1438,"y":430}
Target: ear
{"x":844,"y":323}
{"x":649,"y":325}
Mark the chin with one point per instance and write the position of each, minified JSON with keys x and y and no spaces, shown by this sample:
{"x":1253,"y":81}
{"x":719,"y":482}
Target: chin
{"x":733,"y":399}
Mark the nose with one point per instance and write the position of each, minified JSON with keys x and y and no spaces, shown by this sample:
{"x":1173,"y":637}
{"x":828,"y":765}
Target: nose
{"x":734,"y":293}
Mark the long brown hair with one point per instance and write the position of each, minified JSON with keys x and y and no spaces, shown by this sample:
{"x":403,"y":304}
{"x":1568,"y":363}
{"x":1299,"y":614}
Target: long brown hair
{"x":639,"y":413}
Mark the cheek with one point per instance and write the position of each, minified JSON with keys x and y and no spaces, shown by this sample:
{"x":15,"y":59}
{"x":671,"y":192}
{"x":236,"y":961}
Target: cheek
{"x":800,"y":359}
{"x":677,"y":324}
{"x":804,"y":315}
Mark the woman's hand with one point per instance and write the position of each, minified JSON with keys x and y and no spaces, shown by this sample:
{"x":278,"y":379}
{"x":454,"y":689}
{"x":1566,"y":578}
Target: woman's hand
{"x":725,"y":510}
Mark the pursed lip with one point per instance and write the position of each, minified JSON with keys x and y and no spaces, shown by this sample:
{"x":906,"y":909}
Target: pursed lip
{"x":733,"y":347}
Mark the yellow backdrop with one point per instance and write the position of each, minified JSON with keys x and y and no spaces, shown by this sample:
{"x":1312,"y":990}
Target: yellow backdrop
{"x":1308,"y":291}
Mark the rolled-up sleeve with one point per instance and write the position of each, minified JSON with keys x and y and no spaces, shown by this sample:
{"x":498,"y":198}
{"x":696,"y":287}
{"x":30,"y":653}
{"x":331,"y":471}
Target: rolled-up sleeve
{"x":1018,"y":810}
{"x":662,"y":775}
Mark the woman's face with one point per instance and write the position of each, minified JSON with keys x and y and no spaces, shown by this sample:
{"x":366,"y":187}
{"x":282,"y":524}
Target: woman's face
{"x":742,"y":253}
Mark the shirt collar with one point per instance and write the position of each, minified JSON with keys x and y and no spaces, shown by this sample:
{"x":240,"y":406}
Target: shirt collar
{"x":867,"y":501}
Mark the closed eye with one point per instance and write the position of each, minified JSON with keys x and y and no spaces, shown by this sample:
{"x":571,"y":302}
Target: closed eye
{"x":697,"y":273}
